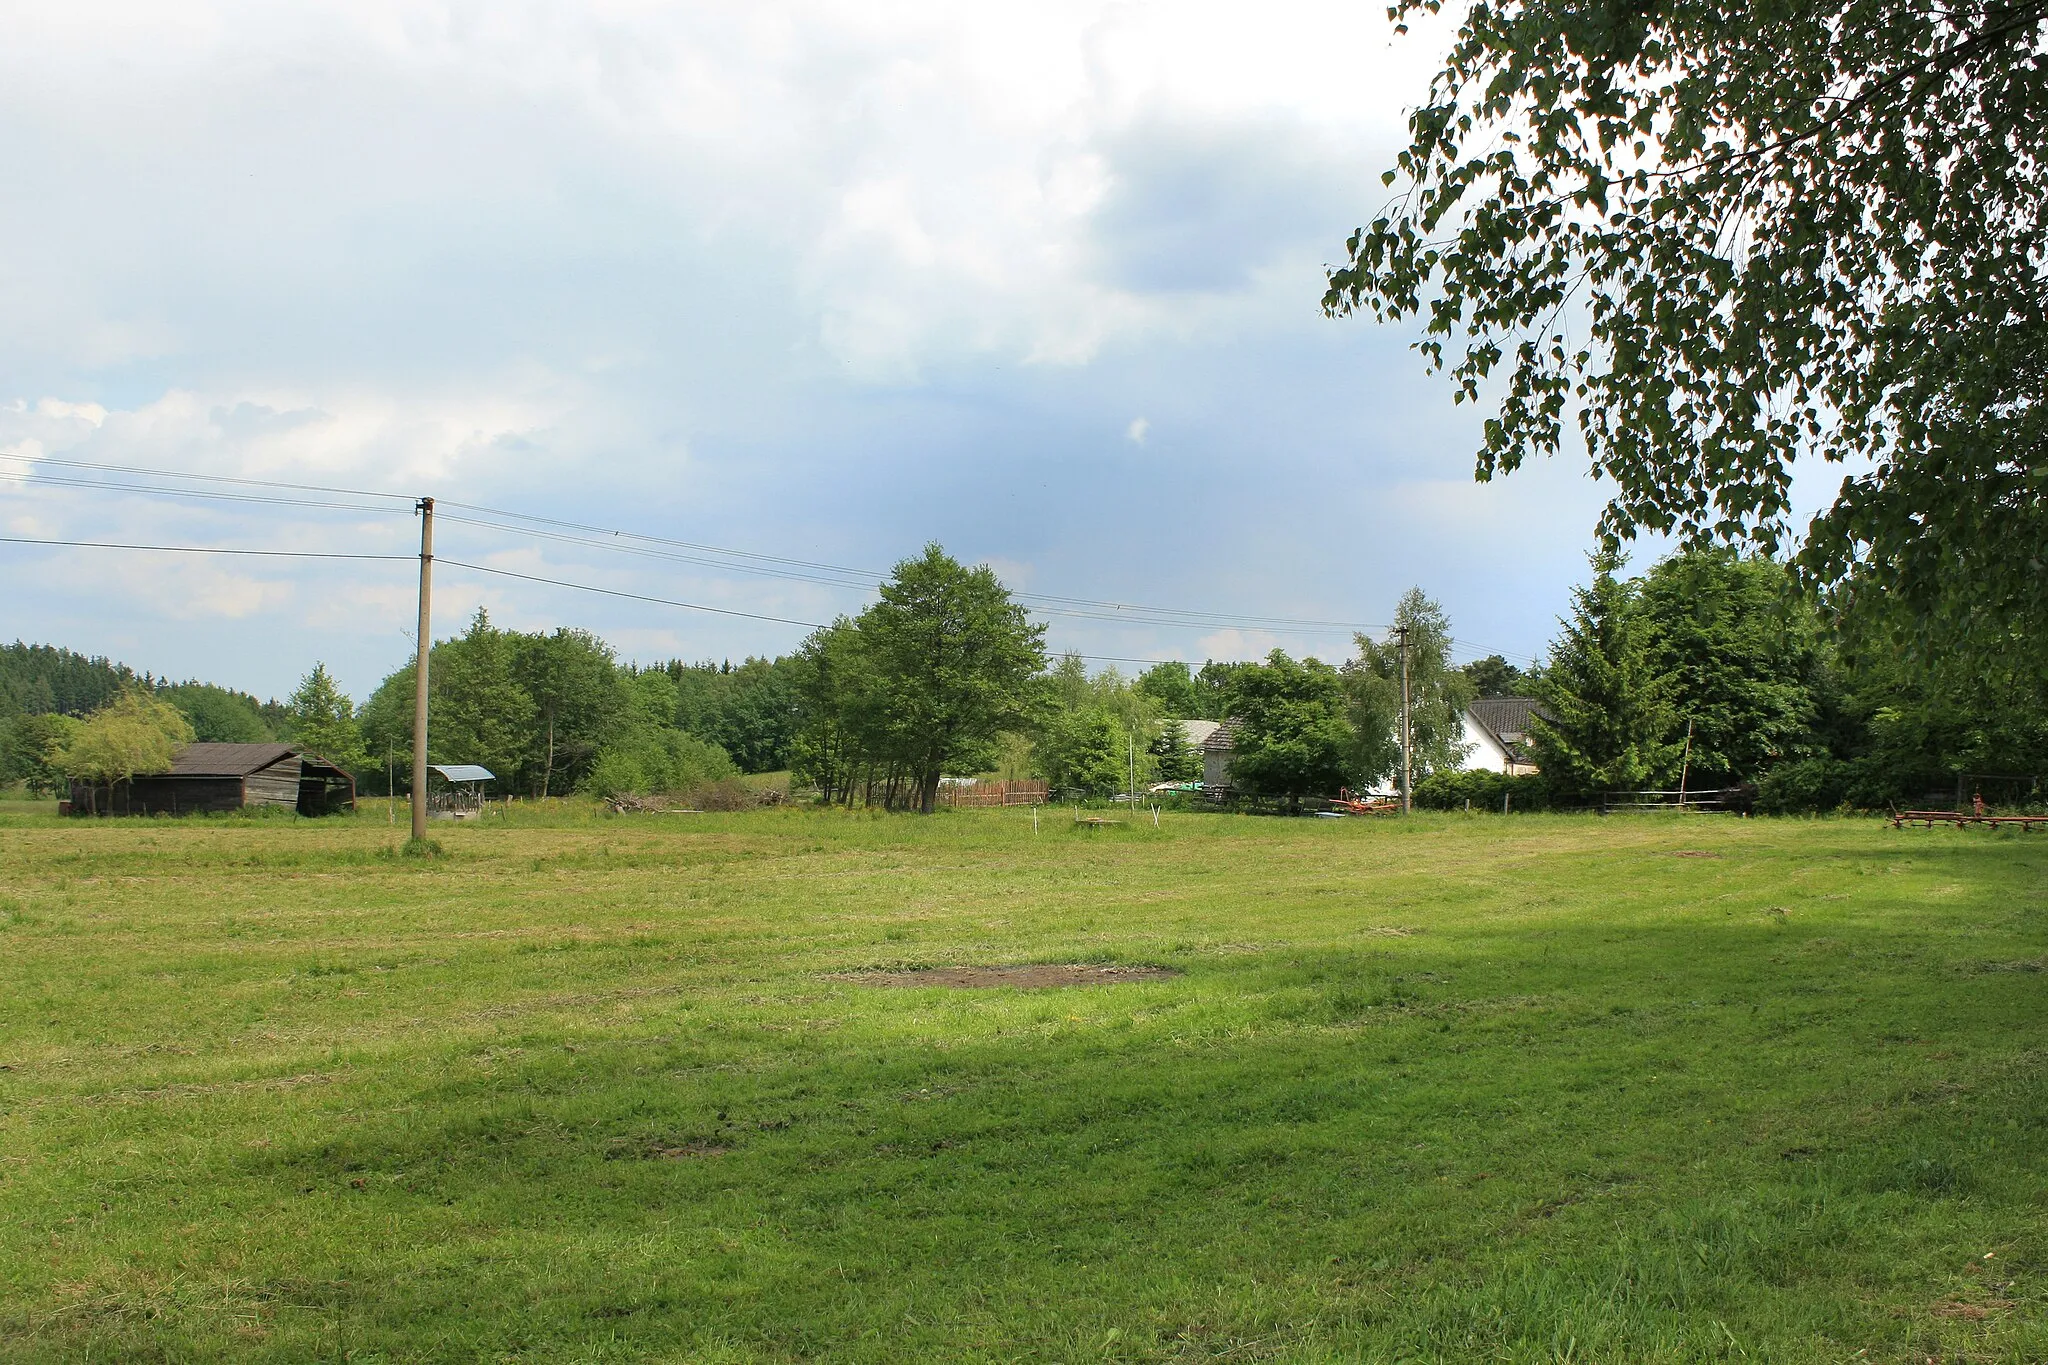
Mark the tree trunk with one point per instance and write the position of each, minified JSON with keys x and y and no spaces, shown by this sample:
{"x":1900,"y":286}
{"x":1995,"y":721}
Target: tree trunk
{"x":930,"y":793}
{"x":547,"y":777}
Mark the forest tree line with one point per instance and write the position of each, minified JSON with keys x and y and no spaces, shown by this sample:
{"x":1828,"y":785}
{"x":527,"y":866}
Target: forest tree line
{"x":1707,"y":663}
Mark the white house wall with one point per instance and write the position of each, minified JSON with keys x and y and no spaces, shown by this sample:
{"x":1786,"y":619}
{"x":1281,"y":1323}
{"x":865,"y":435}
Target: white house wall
{"x":1484,"y":753}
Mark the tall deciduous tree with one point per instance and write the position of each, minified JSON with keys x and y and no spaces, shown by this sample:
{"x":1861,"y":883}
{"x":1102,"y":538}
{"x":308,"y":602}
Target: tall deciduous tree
{"x":1609,"y":710}
{"x":574,"y":684}
{"x":219,"y":715}
{"x":1744,"y":659}
{"x":1292,"y":738}
{"x":829,"y":682}
{"x":479,"y":712}
{"x":1729,"y":239}
{"x":31,"y":748}
{"x":955,"y":660}
{"x":1438,"y":694}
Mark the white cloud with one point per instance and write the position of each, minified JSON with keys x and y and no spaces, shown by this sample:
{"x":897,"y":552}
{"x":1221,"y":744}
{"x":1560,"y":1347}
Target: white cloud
{"x":820,"y":278}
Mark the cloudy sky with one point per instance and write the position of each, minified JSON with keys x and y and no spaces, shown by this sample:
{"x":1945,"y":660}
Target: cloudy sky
{"x":815,"y":282}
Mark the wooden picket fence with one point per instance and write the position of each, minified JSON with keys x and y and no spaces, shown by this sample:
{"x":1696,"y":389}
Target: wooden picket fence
{"x":1018,"y":793}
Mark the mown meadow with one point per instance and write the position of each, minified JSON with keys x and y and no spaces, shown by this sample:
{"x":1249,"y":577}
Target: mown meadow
{"x":1453,"y":1088}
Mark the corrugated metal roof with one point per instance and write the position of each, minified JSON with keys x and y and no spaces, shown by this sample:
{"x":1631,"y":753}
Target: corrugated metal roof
{"x":464,"y":772}
{"x":228,"y":760}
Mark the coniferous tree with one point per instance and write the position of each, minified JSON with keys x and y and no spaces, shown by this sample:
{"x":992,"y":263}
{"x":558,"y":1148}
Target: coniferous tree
{"x":1176,"y":759}
{"x":1609,"y":710}
{"x":323,"y":721}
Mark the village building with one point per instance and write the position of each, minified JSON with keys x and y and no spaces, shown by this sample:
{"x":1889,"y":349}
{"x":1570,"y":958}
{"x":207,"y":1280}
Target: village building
{"x":1496,"y":733}
{"x":1218,"y":747}
{"x":224,"y":777}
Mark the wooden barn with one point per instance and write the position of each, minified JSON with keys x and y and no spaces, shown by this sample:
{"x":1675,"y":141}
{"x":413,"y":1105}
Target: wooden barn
{"x":219,"y":777}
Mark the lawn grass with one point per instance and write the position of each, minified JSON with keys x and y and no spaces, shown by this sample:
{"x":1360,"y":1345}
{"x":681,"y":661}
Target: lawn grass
{"x":1456,"y":1088}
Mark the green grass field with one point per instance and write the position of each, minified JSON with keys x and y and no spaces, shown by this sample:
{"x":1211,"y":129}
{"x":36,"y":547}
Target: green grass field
{"x":1451,"y":1089}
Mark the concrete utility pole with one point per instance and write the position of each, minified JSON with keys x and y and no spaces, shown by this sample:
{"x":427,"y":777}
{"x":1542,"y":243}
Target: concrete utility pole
{"x":1407,"y":731}
{"x":419,"y":680}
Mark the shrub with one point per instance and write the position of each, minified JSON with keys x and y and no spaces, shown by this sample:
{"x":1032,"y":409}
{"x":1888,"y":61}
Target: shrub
{"x":1484,"y":790}
{"x":1809,"y":784}
{"x":652,"y":758}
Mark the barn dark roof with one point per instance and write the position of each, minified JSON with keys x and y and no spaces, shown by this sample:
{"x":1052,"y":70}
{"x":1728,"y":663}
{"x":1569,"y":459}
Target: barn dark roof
{"x":227,"y":760}
{"x":239,"y":760}
{"x":1223,"y":739}
{"x":1507,"y":717}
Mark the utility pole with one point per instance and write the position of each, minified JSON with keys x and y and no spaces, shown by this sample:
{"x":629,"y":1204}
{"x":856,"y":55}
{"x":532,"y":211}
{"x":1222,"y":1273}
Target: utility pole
{"x":419,"y":680}
{"x":1407,"y":731}
{"x":1131,"y":743}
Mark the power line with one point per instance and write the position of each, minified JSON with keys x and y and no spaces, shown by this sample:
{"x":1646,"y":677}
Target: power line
{"x":59,"y":481}
{"x":844,"y":576}
{"x":206,"y":478}
{"x":617,"y":592}
{"x":197,"y":549}
{"x":698,"y":606}
{"x":483,"y":569}
{"x":749,"y":562}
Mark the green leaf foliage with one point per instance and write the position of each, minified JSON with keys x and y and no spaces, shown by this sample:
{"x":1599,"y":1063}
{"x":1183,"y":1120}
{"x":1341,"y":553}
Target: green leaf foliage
{"x":29,"y":750}
{"x":1293,"y":739}
{"x":134,"y":733}
{"x":218,"y":715}
{"x":1482,"y":790}
{"x":1608,"y":709}
{"x":1725,"y":242}
{"x":1438,"y":694}
{"x":323,"y":722}
{"x":952,"y":663}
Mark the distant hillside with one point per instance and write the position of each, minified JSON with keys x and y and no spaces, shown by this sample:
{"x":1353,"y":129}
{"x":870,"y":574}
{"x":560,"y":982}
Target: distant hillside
{"x":39,"y":679}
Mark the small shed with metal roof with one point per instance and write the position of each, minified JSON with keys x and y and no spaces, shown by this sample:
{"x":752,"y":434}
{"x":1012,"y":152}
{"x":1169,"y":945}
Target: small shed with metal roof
{"x":224,"y":777}
{"x":461,"y":793}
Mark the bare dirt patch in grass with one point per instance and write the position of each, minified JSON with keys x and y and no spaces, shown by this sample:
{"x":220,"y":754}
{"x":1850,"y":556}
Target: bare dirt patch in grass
{"x":1033,"y":977}
{"x":1694,"y":853}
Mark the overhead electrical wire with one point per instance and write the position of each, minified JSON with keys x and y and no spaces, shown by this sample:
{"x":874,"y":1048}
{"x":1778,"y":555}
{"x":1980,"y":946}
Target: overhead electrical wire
{"x":199,"y":549}
{"x":619,"y":592}
{"x":845,"y":576}
{"x":205,"y":478}
{"x":615,"y":540}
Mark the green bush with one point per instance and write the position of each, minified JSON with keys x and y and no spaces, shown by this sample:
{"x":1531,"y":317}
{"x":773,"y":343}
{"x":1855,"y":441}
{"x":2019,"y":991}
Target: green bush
{"x":1484,"y":790}
{"x":651,"y":758}
{"x":1810,"y":784}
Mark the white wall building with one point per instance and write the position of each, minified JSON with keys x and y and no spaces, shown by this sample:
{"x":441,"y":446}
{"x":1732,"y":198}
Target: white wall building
{"x":1496,"y":731}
